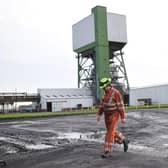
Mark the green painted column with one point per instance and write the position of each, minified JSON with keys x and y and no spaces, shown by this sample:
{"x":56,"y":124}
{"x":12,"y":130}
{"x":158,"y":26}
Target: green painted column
{"x":102,"y":45}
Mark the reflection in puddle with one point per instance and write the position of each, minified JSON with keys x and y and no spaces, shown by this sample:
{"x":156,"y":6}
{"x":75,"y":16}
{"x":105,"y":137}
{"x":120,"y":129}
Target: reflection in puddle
{"x":38,"y":147}
{"x":10,"y":151}
{"x":164,"y":136}
{"x":72,"y":135}
{"x":2,"y":138}
{"x":91,"y":136}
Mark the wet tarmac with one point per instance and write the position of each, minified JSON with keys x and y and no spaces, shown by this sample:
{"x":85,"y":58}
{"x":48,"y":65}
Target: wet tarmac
{"x":79,"y":139}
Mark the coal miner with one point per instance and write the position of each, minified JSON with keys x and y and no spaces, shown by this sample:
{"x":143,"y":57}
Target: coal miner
{"x":112,"y":106}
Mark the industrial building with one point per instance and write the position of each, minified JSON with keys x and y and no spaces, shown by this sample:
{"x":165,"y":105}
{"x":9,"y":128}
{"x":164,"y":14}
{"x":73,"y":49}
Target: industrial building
{"x":60,"y":99}
{"x":149,"y":95}
{"x":51,"y":100}
{"x":54,"y":100}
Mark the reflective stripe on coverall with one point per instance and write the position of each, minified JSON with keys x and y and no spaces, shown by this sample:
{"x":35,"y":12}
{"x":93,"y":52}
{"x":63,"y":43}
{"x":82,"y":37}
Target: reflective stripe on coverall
{"x":113,"y":107}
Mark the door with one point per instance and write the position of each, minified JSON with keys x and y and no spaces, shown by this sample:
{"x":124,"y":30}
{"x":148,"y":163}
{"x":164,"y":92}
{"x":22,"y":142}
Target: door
{"x":49,"y":106}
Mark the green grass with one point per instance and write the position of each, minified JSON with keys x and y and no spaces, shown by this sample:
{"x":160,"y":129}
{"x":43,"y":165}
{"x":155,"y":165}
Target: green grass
{"x":71,"y":112}
{"x":42,"y":114}
{"x":147,"y":106}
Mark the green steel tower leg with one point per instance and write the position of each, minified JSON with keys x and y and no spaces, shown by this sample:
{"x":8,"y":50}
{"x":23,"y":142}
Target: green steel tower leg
{"x":102,"y":45}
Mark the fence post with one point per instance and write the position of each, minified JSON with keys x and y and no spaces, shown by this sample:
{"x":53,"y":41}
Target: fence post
{"x":136,"y":107}
{"x":159,"y":105}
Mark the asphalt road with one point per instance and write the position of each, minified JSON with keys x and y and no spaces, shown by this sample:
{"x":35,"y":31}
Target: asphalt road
{"x":77,"y":142}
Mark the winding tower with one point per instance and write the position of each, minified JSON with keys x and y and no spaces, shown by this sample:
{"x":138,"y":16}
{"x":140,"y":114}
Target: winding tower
{"x":98,"y":40}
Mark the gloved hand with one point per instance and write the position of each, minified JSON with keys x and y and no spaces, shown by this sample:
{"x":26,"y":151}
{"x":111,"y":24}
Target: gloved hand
{"x":123,"y":120}
{"x":98,"y":117}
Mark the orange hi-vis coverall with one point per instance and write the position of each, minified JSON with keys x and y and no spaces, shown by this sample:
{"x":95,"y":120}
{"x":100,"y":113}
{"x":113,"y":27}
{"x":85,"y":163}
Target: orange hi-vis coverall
{"x":113,"y":108}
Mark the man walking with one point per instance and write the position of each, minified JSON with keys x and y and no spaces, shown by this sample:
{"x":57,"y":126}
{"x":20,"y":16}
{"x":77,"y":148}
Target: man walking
{"x":113,"y":108}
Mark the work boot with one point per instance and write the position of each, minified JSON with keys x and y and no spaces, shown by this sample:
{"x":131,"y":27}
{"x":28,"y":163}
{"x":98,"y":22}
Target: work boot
{"x":106,"y":154}
{"x":125,"y":143}
{"x":2,"y":163}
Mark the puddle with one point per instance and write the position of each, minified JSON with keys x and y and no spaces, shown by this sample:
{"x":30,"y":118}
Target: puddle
{"x":91,"y":136}
{"x":38,"y":147}
{"x":72,"y":135}
{"x":11,"y":150}
{"x":164,"y":136}
{"x":2,"y":138}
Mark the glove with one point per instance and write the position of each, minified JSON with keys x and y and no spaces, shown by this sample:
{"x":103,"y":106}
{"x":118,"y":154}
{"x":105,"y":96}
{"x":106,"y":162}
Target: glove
{"x":123,"y":120}
{"x":98,"y":117}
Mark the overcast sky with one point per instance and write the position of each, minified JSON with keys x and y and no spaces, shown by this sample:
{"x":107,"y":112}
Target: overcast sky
{"x":36,"y":42}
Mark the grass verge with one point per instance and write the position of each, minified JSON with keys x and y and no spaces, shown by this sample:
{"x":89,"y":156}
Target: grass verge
{"x":67,"y":113}
{"x":43,"y":114}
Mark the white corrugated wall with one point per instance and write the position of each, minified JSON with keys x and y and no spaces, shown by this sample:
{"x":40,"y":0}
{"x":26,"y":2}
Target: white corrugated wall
{"x":158,"y":94}
{"x":65,"y":98}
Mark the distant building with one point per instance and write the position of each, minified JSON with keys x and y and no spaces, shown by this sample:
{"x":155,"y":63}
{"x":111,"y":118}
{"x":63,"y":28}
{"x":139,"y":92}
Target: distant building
{"x":28,"y":108}
{"x":157,"y":94}
{"x":54,"y":100}
{"x":60,"y":99}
